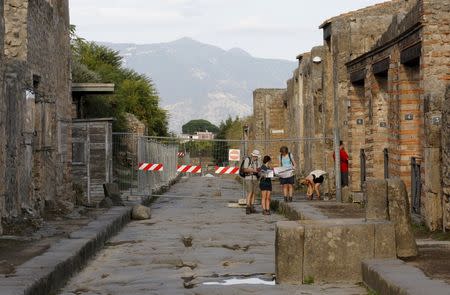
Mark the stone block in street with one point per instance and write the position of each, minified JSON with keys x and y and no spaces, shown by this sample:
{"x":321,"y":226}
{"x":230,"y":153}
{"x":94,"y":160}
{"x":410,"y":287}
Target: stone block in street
{"x":333,"y":252}
{"x":384,"y":238}
{"x":141,"y":212}
{"x":289,"y":243}
{"x":400,"y":215}
{"x":376,"y":199}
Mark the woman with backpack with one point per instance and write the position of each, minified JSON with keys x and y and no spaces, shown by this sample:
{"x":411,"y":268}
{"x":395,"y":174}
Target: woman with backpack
{"x":287,"y":178}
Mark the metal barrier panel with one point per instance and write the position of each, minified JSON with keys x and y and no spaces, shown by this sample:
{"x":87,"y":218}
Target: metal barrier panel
{"x":131,"y":150}
{"x":125,"y":161}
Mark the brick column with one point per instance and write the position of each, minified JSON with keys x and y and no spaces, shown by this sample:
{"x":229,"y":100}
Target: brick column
{"x":356,"y":134}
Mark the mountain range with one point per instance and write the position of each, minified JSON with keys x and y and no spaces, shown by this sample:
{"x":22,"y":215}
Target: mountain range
{"x":202,"y":81}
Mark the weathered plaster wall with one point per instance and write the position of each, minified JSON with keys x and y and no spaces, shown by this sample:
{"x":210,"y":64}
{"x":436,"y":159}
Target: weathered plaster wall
{"x":37,"y":140}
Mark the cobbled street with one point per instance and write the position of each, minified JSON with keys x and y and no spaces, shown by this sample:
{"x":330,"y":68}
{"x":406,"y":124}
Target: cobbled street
{"x":192,"y":239}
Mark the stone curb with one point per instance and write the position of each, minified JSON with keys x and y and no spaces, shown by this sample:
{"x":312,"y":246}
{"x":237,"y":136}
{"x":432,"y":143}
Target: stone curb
{"x":385,"y":276}
{"x":395,"y":277}
{"x":47,"y":273}
{"x":299,"y":211}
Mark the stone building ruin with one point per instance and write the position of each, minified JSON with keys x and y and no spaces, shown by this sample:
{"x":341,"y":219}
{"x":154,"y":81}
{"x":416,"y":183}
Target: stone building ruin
{"x":388,"y":67}
{"x":35,"y":107}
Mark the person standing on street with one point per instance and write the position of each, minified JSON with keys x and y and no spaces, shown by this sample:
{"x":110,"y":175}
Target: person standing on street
{"x":251,"y":167}
{"x":287,"y":178}
{"x":344,"y":164}
{"x":265,"y":185}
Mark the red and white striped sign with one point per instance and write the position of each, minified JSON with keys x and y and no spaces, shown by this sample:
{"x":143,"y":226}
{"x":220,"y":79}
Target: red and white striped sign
{"x":227,"y":170}
{"x":181,"y":154}
{"x":189,"y":169}
{"x":151,"y":167}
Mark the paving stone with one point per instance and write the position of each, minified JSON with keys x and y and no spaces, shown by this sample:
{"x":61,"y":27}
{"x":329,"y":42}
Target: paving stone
{"x":149,"y":256}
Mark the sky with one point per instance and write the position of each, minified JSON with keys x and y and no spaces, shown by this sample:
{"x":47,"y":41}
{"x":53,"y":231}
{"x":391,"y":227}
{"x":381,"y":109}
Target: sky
{"x":264,"y":28}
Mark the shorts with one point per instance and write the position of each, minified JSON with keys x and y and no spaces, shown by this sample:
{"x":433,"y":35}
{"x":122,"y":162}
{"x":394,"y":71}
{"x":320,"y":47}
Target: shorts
{"x":318,"y":179}
{"x":289,"y":180}
{"x":251,"y":186}
{"x":265,"y":185}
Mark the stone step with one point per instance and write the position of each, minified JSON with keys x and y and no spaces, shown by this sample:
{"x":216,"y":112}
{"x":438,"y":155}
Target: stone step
{"x":393,"y":276}
{"x":46,"y":273}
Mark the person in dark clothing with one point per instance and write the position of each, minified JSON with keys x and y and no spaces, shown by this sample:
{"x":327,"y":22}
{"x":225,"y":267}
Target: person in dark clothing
{"x":344,"y":164}
{"x":265,"y":185}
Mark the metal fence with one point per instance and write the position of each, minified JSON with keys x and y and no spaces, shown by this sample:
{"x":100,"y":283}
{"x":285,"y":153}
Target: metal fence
{"x":131,"y":150}
{"x":212,"y":155}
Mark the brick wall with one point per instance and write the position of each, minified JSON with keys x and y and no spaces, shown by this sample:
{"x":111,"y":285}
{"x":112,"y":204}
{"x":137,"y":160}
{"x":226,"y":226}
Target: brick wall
{"x":37,"y":140}
{"x":351,"y":35}
{"x":408,"y":98}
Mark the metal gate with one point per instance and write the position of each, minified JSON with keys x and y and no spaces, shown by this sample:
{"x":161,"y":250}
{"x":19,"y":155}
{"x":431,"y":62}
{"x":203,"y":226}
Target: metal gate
{"x":362,"y":157}
{"x":386,"y":163}
{"x":416,"y":186}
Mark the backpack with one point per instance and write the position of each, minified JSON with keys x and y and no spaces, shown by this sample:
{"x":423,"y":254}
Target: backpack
{"x":241,"y":169}
{"x":290,"y":159}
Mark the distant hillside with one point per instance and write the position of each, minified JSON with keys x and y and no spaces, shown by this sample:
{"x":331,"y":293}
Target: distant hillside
{"x":197,"y":80}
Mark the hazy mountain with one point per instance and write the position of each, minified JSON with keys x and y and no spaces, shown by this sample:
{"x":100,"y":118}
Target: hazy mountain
{"x":197,"y":80}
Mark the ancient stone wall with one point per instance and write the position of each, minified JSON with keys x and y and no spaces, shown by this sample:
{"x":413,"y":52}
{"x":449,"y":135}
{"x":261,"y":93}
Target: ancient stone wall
{"x":446,"y":156}
{"x":346,"y":37}
{"x":436,"y":77}
{"x":270,"y":117}
{"x":37,"y":106}
{"x":397,"y":94}
{"x":2,"y":111}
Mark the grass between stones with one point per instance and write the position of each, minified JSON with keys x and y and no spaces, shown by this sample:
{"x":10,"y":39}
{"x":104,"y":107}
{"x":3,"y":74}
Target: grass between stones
{"x":421,"y":232}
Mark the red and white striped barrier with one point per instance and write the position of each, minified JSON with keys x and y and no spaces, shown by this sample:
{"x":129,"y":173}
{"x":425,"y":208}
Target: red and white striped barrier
{"x":189,"y":169}
{"x":151,"y":167}
{"x":227,"y":170}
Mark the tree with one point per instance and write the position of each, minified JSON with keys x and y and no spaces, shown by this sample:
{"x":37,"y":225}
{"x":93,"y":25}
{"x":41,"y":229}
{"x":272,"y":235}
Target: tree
{"x":135,"y":93}
{"x":200,"y":125}
{"x":229,"y":129}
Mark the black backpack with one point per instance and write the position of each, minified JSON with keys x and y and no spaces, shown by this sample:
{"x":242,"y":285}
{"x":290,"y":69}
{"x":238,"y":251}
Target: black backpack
{"x":241,"y":169}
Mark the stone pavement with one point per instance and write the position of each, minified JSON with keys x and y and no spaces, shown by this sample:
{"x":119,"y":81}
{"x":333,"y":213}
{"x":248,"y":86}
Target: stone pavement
{"x":190,"y":241}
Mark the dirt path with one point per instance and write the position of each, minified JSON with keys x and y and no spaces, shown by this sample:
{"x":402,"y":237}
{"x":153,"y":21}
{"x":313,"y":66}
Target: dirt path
{"x":189,"y":242}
